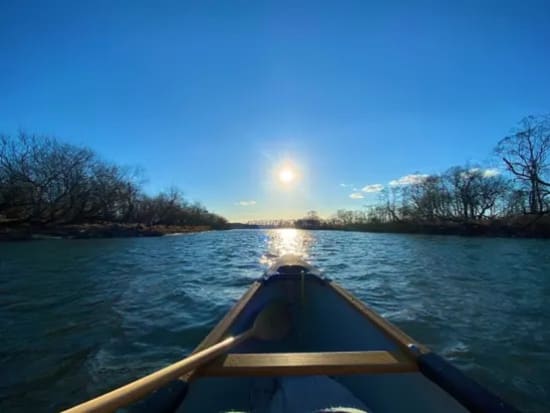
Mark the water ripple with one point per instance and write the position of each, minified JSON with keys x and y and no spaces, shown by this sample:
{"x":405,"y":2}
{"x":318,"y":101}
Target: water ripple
{"x":79,"y":317}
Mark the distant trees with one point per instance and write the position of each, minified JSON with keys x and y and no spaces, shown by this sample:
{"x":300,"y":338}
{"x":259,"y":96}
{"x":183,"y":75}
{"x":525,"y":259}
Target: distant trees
{"x":425,"y":200}
{"x":474,"y":193}
{"x":526,"y":154}
{"x":311,"y":220}
{"x":271,"y":223}
{"x":466,"y":194}
{"x":459,"y":194}
{"x":170,"y":208}
{"x":44,"y":181}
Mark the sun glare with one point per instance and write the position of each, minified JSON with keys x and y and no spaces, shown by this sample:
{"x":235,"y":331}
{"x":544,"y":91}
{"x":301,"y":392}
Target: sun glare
{"x":286,"y":175}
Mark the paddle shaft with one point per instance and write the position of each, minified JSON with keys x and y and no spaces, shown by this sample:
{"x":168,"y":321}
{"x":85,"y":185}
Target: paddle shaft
{"x":138,"y":389}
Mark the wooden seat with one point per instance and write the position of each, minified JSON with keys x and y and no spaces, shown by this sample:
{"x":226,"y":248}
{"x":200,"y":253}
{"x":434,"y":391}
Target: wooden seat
{"x":326,"y":363}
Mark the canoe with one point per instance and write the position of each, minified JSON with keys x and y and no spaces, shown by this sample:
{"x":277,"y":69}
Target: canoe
{"x":338,"y":353}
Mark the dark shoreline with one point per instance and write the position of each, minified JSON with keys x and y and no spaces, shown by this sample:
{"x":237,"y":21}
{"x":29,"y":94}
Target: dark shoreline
{"x":517,"y":227}
{"x":467,"y":230}
{"x":520,"y":228}
{"x":100,"y":230}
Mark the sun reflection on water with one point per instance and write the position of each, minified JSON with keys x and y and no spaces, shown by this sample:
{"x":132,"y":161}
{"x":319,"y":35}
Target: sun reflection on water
{"x":286,"y":241}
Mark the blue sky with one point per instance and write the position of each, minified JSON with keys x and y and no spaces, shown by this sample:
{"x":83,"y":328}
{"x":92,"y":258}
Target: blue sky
{"x":215,"y":97}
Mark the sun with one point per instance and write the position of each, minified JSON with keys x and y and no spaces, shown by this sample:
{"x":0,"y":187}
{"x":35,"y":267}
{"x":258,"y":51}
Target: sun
{"x":286,"y":175}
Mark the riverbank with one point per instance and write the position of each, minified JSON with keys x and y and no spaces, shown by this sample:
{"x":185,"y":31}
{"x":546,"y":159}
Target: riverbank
{"x":99,"y":230}
{"x":517,"y":227}
{"x":471,"y":230}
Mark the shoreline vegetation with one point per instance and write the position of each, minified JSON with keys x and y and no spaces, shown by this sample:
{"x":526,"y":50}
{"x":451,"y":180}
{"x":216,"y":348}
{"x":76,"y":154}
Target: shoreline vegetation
{"x":50,"y":189}
{"x":509,"y":198}
{"x":522,"y":226}
{"x":96,"y":230}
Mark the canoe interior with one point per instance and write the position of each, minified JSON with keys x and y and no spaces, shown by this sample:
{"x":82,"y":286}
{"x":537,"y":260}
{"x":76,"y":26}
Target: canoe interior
{"x":322,"y":321}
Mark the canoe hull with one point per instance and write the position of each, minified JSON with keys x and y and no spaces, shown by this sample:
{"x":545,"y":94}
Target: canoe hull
{"x":332,"y":334}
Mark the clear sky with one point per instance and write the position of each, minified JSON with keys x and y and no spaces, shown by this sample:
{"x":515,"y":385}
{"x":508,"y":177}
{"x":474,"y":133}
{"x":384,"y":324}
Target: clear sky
{"x":217,"y":97}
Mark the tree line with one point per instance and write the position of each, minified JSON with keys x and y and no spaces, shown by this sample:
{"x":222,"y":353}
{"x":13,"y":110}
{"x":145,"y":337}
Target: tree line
{"x":47,"y":182}
{"x":465,"y":194}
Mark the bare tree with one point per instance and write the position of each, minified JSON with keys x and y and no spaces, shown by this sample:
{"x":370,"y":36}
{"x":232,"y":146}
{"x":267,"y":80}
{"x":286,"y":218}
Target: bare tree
{"x":473,"y":192}
{"x":313,"y":215}
{"x":429,"y":199}
{"x":390,"y":197}
{"x":526,"y":154}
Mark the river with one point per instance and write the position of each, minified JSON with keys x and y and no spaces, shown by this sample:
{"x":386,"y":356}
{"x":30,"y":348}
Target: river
{"x":79,"y":317}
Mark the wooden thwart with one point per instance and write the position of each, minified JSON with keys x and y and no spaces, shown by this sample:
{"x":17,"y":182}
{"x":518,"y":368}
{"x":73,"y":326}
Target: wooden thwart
{"x":327,"y":363}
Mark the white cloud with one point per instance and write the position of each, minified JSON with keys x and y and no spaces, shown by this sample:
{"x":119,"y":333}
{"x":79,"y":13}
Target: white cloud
{"x":346,"y":185}
{"x":486,"y":173}
{"x":409,"y":180}
{"x":356,"y":195}
{"x":246,"y":203}
{"x":490,"y":172}
{"x":373,"y":188}
{"x":469,"y":173}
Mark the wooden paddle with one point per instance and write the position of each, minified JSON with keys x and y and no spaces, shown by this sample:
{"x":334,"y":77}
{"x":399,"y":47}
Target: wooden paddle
{"x":272,"y":323}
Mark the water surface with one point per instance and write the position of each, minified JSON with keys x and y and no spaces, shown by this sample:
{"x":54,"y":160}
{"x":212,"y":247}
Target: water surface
{"x":79,"y":317}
